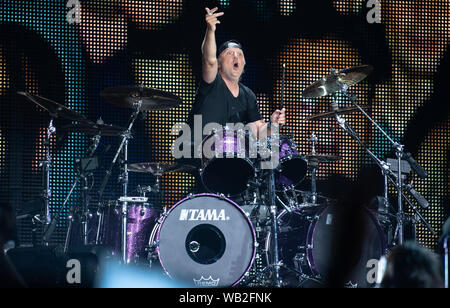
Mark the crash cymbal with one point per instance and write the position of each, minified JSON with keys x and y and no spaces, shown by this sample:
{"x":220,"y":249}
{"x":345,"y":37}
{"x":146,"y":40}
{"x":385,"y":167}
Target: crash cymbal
{"x":152,"y":99}
{"x":333,"y":82}
{"x":153,"y":168}
{"x":329,"y":114}
{"x":91,"y":128}
{"x":322,"y":158}
{"x":54,"y":109}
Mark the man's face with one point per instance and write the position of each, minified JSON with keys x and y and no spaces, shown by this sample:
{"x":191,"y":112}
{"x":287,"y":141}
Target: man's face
{"x":232,"y":63}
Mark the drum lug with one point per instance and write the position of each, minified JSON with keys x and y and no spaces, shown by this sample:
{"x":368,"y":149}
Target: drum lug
{"x":256,"y":244}
{"x":191,"y":196}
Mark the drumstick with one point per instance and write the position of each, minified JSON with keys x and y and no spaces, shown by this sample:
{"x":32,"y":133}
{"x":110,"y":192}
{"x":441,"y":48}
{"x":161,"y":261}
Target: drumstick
{"x":282,"y":92}
{"x":282,"y":88}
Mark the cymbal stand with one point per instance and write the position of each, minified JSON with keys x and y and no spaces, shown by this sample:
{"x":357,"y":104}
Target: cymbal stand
{"x":85,"y":198}
{"x":126,"y":136}
{"x":274,"y":219}
{"x":313,"y":166}
{"x":47,"y":166}
{"x":396,"y":180}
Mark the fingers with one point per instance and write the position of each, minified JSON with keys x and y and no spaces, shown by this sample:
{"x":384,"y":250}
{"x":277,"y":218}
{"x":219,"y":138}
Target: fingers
{"x":211,"y":17}
{"x":212,"y":12}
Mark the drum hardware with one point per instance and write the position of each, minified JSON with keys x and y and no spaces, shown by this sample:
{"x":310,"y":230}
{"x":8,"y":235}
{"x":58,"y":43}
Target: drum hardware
{"x":336,"y":111}
{"x":139,"y":99}
{"x":84,"y":169}
{"x":277,"y":263}
{"x":340,"y":82}
{"x":55,"y":111}
{"x":395,"y":179}
{"x":123,"y":148}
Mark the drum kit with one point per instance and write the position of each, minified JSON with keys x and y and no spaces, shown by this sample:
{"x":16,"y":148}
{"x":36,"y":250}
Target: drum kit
{"x":253,"y":228}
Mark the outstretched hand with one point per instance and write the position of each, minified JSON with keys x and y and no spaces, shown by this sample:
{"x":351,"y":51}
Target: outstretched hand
{"x":211,"y":18}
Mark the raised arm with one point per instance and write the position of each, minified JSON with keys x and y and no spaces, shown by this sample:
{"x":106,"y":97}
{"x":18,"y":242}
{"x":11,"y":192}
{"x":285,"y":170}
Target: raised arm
{"x":209,"y":48}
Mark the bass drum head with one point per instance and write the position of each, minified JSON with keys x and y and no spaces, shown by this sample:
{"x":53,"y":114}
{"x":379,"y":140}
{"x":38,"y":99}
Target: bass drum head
{"x":206,"y":241}
{"x":367,"y":242}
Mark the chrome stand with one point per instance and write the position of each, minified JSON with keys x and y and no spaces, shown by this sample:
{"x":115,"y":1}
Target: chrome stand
{"x":396,"y":180}
{"x":124,"y":177}
{"x":47,"y":193}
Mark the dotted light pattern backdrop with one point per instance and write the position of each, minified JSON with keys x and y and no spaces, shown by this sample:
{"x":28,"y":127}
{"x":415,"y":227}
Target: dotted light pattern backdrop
{"x":101,"y":52}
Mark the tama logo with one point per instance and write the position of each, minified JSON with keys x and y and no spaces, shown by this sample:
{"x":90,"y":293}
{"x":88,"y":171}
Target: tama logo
{"x":203,"y":215}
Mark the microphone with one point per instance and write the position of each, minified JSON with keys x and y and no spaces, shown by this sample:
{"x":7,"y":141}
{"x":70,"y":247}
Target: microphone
{"x":419,"y":198}
{"x":415,"y":166}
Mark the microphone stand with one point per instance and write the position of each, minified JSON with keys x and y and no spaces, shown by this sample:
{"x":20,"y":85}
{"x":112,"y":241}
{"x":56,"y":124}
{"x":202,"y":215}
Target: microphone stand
{"x":389,"y":175}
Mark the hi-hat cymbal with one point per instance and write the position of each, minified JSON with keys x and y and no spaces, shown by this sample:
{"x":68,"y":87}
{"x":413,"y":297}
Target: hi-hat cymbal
{"x":91,"y":128}
{"x":54,"y":109}
{"x":322,"y":158}
{"x":333,"y":82}
{"x":329,"y":114}
{"x":184,"y":168}
{"x":153,"y":168}
{"x":129,"y":96}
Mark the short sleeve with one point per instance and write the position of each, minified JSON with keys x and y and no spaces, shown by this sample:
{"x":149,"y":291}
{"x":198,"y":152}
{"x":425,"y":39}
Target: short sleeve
{"x":204,"y":88}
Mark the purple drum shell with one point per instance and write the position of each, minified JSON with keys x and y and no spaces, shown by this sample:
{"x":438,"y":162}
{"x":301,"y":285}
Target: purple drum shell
{"x":139,"y":228}
{"x":158,"y":235}
{"x":293,"y":166}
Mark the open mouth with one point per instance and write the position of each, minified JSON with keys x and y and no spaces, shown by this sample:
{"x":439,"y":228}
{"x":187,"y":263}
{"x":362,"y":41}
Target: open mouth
{"x":236,"y":65}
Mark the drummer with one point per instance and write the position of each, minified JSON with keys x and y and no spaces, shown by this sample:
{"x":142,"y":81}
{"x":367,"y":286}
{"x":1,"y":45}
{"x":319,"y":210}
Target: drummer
{"x":221,"y":98}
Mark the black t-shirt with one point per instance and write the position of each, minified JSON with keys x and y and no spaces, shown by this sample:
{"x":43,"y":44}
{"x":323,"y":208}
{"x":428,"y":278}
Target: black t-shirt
{"x":216,"y":104}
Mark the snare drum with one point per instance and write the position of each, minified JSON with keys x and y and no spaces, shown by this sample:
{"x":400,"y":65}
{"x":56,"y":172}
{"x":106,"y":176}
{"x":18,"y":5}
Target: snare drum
{"x":206,"y":240}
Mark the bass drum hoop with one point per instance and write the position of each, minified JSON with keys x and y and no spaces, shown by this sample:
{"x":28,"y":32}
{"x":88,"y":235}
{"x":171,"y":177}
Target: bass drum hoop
{"x":310,"y":237}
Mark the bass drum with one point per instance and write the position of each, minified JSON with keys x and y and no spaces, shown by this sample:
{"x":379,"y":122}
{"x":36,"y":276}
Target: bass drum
{"x":206,"y":240}
{"x":309,"y":244}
